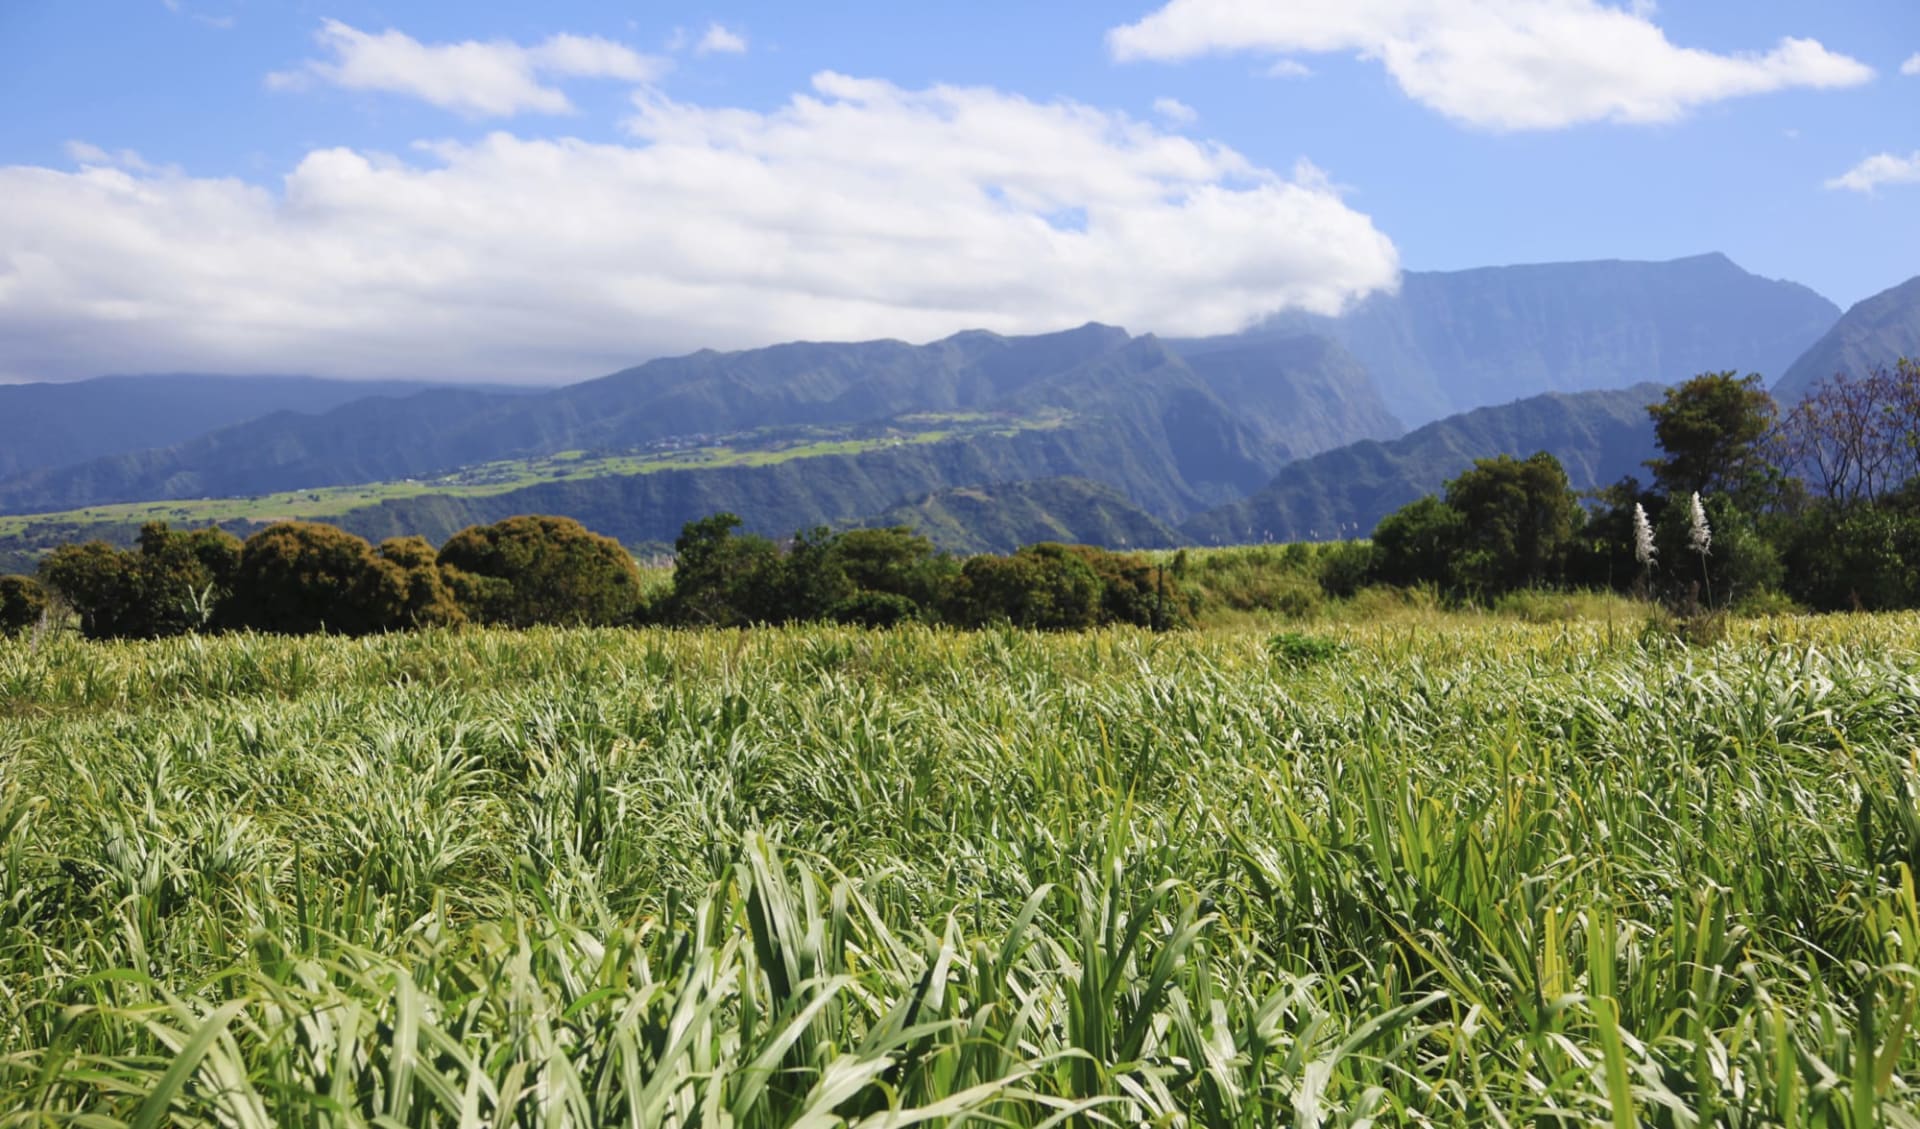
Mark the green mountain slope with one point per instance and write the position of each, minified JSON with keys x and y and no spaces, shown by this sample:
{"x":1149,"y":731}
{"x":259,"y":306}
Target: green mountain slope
{"x":1000,"y":518}
{"x":48,"y":425}
{"x":1455,"y":340}
{"x":1306,"y":394}
{"x":1599,"y":436}
{"x":1877,"y":331}
{"x":1149,"y":423}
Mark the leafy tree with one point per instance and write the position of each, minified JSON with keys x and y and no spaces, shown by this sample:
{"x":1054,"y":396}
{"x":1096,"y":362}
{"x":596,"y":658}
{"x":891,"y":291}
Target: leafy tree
{"x":22,"y":602}
{"x":554,"y":569}
{"x":1343,"y":567}
{"x":1603,"y":553}
{"x":1418,"y":543}
{"x":1041,"y":587}
{"x":809,"y":582}
{"x":1714,"y":432}
{"x":1133,"y":590}
{"x":721,"y":579}
{"x":1518,"y":518}
{"x":101,"y":584}
{"x":426,"y":599}
{"x":185,"y":579}
{"x":298,"y":577}
{"x":1859,"y":557}
{"x":1505,"y":523}
{"x":895,"y":560}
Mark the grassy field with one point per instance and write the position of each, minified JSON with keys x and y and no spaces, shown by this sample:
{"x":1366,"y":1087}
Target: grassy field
{"x":507,"y":475}
{"x":1429,"y":871}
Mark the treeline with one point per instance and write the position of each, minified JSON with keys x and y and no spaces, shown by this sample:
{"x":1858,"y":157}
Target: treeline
{"x":1819,"y":508}
{"x":304,"y":577}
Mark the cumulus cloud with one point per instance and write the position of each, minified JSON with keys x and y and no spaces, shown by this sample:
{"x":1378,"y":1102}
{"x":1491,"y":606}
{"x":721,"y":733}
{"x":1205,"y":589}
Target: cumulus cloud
{"x":858,"y":209}
{"x":1289,"y":68}
{"x":1882,"y":168}
{"x":1911,"y":67}
{"x":484,"y":79}
{"x":1175,"y":111}
{"x":719,"y":40}
{"x":1497,"y":64}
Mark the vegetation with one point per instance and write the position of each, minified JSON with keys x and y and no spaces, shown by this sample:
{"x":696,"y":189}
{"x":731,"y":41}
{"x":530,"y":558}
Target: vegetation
{"x":529,"y":570}
{"x":1471,"y":874}
{"x":1821,"y":509}
{"x":22,"y":602}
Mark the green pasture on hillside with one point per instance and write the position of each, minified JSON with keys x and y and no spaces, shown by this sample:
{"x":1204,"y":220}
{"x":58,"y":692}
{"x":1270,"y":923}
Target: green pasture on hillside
{"x":507,"y":475}
{"x":1437,"y":870}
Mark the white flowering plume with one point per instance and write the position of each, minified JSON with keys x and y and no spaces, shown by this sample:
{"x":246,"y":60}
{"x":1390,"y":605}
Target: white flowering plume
{"x":1699,"y":536}
{"x":1642,"y":536}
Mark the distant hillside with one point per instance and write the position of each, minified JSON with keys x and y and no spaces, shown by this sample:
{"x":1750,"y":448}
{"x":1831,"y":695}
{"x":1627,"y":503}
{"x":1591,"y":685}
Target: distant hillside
{"x":49,"y":425}
{"x":1307,"y":394}
{"x":1455,"y":340}
{"x":1878,"y":331}
{"x":1145,"y":421}
{"x":1001,"y":518}
{"x":1598,"y":436}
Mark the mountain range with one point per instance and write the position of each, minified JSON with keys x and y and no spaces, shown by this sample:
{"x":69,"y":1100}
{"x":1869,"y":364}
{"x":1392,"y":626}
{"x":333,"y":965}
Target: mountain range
{"x":1295,"y":428}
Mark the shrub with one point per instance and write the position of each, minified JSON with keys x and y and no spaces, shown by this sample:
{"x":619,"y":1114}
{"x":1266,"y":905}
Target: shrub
{"x":426,"y":598}
{"x":1041,"y":587}
{"x":1292,"y":649}
{"x":101,"y":584}
{"x":22,"y":603}
{"x":551,"y":569}
{"x":1133,"y":590}
{"x":298,"y":577}
{"x":895,"y":560}
{"x":720,"y":578}
{"x":1344,"y":567}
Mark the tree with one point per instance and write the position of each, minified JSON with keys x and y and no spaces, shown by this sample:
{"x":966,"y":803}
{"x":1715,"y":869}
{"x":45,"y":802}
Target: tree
{"x":186,"y":579}
{"x":101,"y":584}
{"x":22,"y":603}
{"x":1854,"y":439}
{"x":554,"y":571}
{"x":1418,"y":543}
{"x":1714,"y":432}
{"x":299,"y":577}
{"x":897,"y":561}
{"x":425,"y":598}
{"x":720,"y":579}
{"x":1519,"y":517}
{"x":1041,"y":587}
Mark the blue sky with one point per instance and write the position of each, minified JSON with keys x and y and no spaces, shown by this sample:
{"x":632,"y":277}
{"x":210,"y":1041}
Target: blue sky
{"x":507,"y":191}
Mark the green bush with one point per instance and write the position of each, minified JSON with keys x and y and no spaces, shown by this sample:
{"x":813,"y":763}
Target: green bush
{"x":1292,"y":649}
{"x":299,"y":577}
{"x":1042,"y":587}
{"x":550,"y":570}
{"x":22,"y":602}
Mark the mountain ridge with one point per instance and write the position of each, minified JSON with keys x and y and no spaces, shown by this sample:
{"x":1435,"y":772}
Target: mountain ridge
{"x":1876,"y":331}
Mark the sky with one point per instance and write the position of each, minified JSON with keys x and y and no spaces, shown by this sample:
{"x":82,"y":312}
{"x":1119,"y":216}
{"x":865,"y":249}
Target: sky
{"x":492,"y":191}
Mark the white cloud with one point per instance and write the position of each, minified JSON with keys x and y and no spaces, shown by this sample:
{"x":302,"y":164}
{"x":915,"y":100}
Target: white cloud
{"x":86,"y":153}
{"x":1497,"y":64}
{"x":1289,"y":68}
{"x":1175,"y":111}
{"x":719,"y":40}
{"x":1882,"y":168}
{"x":1911,"y":67}
{"x":490,"y":79}
{"x":856,"y":210}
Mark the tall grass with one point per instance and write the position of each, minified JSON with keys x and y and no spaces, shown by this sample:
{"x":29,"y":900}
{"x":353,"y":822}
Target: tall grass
{"x":1478,"y":873}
